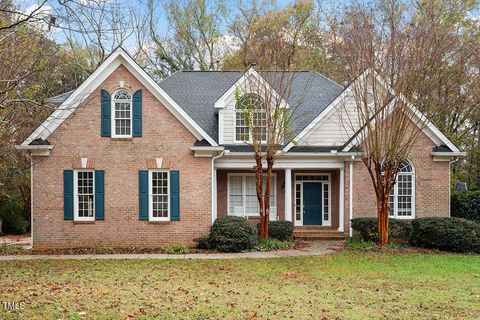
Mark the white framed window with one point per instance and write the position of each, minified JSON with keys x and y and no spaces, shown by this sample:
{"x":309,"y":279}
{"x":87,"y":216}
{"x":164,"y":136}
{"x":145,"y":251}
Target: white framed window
{"x":402,"y":194}
{"x":242,"y":195}
{"x":159,"y":195}
{"x":122,"y":114}
{"x":259,"y":114}
{"x":84,"y":195}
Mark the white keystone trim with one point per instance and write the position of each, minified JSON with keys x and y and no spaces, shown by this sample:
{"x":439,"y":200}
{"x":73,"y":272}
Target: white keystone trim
{"x":117,"y":58}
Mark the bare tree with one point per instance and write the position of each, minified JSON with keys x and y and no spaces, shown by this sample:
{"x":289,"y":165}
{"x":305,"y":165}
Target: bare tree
{"x":390,"y":51}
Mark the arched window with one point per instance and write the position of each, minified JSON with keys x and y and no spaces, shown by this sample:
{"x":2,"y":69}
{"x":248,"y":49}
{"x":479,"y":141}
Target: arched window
{"x":122,"y":113}
{"x":250,"y":105}
{"x":402,"y":194}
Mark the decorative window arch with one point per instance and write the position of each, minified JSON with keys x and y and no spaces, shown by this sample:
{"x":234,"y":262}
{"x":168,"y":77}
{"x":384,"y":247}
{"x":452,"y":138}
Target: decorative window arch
{"x":402,"y":194}
{"x":122,"y":113}
{"x":259,"y":117}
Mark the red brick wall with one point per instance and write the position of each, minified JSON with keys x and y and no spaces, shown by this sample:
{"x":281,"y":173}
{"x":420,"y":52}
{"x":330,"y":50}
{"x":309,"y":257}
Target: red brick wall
{"x":431,"y":185}
{"x":79,"y":137}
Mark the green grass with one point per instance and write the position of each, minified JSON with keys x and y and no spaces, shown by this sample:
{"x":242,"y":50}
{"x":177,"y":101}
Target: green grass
{"x":348,"y":285}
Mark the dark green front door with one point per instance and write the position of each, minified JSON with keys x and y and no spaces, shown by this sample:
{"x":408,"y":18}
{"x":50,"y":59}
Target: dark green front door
{"x":312,"y":203}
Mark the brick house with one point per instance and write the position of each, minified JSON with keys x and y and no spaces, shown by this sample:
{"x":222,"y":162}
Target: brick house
{"x":127,"y":161}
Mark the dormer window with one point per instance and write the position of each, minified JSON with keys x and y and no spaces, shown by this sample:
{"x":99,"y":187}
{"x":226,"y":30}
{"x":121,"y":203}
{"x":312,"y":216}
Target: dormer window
{"x":122,"y":114}
{"x":251,"y":107}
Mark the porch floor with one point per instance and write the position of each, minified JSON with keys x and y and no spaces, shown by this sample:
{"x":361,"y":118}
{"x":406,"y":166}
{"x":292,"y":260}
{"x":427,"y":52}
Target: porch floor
{"x":318,"y":233}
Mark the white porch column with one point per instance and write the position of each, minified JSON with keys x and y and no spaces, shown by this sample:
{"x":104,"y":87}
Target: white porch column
{"x":342,"y":202}
{"x":288,"y":194}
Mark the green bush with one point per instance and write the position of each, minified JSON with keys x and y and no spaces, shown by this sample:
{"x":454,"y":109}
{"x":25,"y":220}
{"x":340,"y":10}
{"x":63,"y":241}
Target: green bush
{"x":280,"y":230}
{"x":203,"y":243}
{"x":176,"y":249}
{"x":449,"y":234}
{"x":273,"y":244}
{"x":13,"y":216}
{"x":232,"y":234}
{"x":398,"y":230}
{"x":466,"y":204}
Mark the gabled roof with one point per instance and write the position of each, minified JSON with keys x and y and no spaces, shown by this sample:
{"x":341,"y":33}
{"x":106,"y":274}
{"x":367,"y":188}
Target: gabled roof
{"x":73,"y":100}
{"x":197,"y":91}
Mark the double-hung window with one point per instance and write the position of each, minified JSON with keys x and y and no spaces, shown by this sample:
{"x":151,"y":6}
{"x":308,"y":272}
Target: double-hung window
{"x":242,"y":195}
{"x":84,"y":195}
{"x":250,"y":119}
{"x":122,"y":114}
{"x":159,"y":203}
{"x":402,"y":194}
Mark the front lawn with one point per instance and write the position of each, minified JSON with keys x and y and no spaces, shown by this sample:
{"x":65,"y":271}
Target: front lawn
{"x":348,"y":285}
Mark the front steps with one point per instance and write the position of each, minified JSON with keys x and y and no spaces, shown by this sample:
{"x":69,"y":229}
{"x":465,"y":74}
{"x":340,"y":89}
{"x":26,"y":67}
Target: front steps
{"x":318,"y":233}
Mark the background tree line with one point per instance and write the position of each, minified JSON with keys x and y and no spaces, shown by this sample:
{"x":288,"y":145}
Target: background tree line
{"x":51,"y":47}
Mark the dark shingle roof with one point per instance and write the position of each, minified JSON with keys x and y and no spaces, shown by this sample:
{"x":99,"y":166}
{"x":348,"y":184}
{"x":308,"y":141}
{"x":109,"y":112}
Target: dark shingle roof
{"x":197,"y":91}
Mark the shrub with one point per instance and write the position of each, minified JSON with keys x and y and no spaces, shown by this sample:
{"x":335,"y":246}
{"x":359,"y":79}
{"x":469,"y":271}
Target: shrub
{"x":398,"y":230}
{"x":203,"y":243}
{"x":232,"y":234}
{"x":466,"y":204}
{"x":273,"y":244}
{"x":176,"y":249}
{"x":13,"y":216}
{"x":450,"y":234}
{"x":280,"y":230}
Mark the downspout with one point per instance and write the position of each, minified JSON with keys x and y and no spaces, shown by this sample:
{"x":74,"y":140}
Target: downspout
{"x":450,"y":185}
{"x":213,"y":187}
{"x":31,"y":198}
{"x":350,"y":198}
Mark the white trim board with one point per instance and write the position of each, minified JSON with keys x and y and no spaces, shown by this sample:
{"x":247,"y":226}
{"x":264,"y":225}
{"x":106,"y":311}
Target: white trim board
{"x":117,"y":58}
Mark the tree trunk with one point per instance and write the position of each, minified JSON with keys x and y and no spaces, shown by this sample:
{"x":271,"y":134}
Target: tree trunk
{"x":258,"y":186}
{"x":266,"y":197}
{"x":382,"y":212}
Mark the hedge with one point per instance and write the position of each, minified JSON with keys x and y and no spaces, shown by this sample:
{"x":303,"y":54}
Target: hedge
{"x":367,"y":228}
{"x":450,"y":234}
{"x":232,"y":234}
{"x":466,"y":204}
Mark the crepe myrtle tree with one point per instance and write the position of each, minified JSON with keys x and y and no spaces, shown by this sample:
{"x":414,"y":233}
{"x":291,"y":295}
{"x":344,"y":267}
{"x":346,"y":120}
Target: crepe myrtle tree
{"x":261,"y":106}
{"x":392,"y":55}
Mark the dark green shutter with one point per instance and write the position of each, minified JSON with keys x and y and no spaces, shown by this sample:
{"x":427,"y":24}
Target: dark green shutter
{"x":137,"y":113}
{"x":143,"y":194}
{"x":68,"y":194}
{"x":99,"y":195}
{"x":174,"y":195}
{"x":105,"y":117}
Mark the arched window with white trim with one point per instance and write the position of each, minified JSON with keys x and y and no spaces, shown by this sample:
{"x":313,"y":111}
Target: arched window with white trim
{"x":402,"y":194}
{"x":259,"y":116}
{"x":122,"y":113}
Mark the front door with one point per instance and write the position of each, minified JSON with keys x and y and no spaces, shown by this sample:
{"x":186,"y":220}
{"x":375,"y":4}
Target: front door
{"x":312,"y":203}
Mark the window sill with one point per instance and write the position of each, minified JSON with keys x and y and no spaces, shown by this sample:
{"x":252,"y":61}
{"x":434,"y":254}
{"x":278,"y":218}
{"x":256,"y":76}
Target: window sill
{"x":122,"y":138}
{"x":83,"y":222}
{"x":160,"y":222}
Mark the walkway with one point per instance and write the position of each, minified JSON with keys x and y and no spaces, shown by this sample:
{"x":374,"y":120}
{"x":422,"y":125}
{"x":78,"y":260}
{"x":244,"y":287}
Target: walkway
{"x":315,"y":248}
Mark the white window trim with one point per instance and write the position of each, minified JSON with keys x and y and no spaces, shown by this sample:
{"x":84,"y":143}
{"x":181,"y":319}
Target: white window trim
{"x":150,"y":197}
{"x":113,"y":118}
{"x":250,"y":140}
{"x":243,"y":175}
{"x":395,"y":197}
{"x":75,"y":196}
{"x":325,"y":223}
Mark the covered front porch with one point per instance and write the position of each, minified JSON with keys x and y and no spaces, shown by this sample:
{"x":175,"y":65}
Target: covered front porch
{"x":310,"y":194}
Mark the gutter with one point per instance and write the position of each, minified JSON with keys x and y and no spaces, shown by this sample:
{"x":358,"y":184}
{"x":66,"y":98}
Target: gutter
{"x":31,"y":199}
{"x":450,"y":185}
{"x":213,"y":185}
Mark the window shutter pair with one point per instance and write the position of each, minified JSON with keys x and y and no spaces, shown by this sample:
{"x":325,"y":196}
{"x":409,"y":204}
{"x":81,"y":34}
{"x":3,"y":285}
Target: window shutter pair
{"x":174,"y":195}
{"x":106,"y":117}
{"x":68,"y":194}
